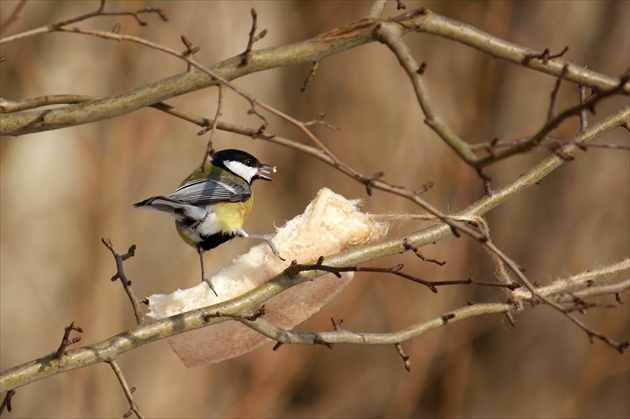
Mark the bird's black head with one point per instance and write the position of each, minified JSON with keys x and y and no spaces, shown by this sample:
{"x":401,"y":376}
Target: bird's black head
{"x":242,"y":164}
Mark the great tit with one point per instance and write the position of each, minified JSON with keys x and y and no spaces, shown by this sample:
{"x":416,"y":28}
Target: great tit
{"x":211,"y":205}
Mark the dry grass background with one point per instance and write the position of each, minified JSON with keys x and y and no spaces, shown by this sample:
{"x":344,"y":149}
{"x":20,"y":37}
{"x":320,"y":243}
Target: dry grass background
{"x":63,"y":190}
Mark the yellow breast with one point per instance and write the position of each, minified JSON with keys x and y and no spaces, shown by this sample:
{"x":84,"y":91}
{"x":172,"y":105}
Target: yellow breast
{"x":230,"y":216}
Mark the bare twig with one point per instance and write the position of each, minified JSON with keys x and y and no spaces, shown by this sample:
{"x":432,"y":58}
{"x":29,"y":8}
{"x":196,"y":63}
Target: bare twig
{"x":404,"y":357}
{"x":583,"y":113}
{"x":510,"y":286}
{"x":120,"y":274}
{"x":311,"y":76}
{"x":253,"y":38}
{"x":213,"y":128}
{"x":189,"y":51}
{"x":296,"y":268}
{"x":485,"y":180}
{"x":319,"y":120}
{"x":6,"y":402}
{"x":555,"y":92}
{"x":98,"y":12}
{"x":545,"y":56}
{"x":14,"y":16}
{"x":133,"y":406}
{"x":547,"y":142}
{"x":416,"y":251}
{"x":66,"y":341}
{"x":336,"y":323}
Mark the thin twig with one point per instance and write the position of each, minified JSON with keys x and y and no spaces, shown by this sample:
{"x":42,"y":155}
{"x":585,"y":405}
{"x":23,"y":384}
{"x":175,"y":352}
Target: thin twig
{"x":545,"y":56}
{"x":133,"y":406}
{"x":213,"y":128}
{"x":485,"y":180}
{"x":295,"y":268}
{"x":66,"y":341}
{"x":404,"y":357}
{"x":14,"y":16}
{"x":98,"y":12}
{"x":6,"y":402}
{"x":547,"y":142}
{"x":189,"y":51}
{"x":583,"y":113}
{"x":554,"y":93}
{"x":417,"y":252}
{"x":253,"y":38}
{"x":126,"y":283}
{"x":310,"y":77}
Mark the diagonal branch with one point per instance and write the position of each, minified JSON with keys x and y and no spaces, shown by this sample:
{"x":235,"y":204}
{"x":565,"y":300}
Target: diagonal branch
{"x":133,"y":406}
{"x":463,"y":33}
{"x":335,"y":41}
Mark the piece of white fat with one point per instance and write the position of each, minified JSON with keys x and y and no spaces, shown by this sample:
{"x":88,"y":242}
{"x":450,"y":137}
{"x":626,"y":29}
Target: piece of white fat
{"x":330,"y":223}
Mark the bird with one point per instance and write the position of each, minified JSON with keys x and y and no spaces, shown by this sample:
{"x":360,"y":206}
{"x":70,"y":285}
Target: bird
{"x":212,"y":203}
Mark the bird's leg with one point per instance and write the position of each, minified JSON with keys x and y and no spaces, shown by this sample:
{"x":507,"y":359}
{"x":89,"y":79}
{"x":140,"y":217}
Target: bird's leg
{"x":203,"y":272}
{"x":265,"y":237}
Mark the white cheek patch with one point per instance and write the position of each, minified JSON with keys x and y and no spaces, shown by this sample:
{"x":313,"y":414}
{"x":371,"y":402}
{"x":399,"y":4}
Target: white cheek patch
{"x":242,"y":170}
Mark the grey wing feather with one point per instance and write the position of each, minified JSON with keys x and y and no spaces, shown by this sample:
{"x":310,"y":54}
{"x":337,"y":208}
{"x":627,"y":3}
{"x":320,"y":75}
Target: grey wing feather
{"x":205,"y":191}
{"x":182,"y":211}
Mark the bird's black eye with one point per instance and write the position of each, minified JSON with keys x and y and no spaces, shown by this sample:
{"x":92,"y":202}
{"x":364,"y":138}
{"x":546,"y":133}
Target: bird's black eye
{"x":249,"y":162}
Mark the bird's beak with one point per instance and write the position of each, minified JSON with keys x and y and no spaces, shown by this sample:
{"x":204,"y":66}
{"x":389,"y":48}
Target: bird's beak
{"x":264,"y":170}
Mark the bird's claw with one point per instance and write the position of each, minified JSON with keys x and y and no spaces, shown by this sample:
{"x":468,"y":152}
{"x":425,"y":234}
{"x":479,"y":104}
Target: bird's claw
{"x":207,"y":281}
{"x":267,"y":238}
{"x":274,"y":250}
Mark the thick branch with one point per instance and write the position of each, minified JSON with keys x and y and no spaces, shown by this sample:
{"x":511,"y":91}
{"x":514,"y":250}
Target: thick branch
{"x":26,"y":122}
{"x":356,"y":338}
{"x":337,"y":40}
{"x":498,"y":48}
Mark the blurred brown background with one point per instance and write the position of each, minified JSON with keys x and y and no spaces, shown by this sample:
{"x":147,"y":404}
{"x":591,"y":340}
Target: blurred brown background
{"x":63,"y":190}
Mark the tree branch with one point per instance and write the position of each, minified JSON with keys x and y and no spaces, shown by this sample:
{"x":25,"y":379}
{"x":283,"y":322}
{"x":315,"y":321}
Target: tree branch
{"x":335,"y":41}
{"x":133,"y":406}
